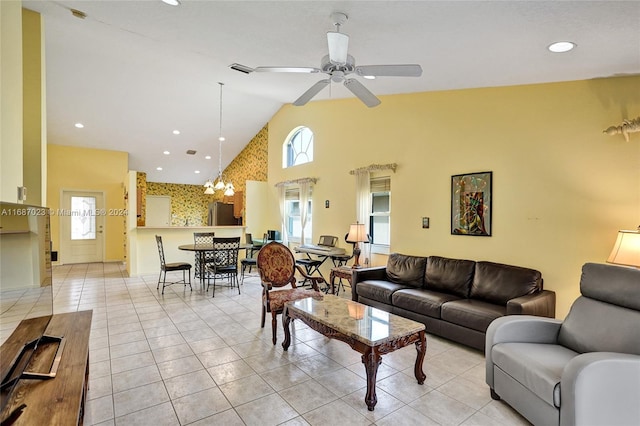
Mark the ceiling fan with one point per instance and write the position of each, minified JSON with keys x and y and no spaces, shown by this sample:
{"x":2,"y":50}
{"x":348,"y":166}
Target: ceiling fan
{"x":338,"y":65}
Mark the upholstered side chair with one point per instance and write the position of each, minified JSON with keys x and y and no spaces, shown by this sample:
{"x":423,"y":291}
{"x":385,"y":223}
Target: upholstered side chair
{"x":277,"y":267}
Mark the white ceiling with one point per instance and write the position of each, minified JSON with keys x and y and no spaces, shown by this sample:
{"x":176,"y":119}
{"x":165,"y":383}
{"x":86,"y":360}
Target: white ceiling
{"x":133,"y":71}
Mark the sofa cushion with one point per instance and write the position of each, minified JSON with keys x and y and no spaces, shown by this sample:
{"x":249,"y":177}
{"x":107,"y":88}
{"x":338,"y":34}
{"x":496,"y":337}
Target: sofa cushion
{"x":449,"y":275}
{"x":378,"y":290}
{"x":536,"y":366}
{"x":421,"y":301}
{"x":595,"y":326}
{"x":406,"y":270}
{"x":473,"y":314}
{"x":498,"y":283}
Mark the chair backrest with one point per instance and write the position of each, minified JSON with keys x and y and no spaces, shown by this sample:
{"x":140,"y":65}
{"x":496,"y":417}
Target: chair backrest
{"x":225,"y":251}
{"x":203,"y":237}
{"x":276,"y":264}
{"x":160,"y":250}
{"x":327,"y":240}
{"x":606,"y":317}
{"x":248,"y":239}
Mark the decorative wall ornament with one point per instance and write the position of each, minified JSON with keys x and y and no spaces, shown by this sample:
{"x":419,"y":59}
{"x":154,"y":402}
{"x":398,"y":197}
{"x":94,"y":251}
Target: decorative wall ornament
{"x":375,"y":167}
{"x":471,"y":204}
{"x":297,"y":181}
{"x":627,"y":126}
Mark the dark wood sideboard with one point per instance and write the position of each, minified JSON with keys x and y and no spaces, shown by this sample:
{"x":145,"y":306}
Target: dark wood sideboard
{"x":59,"y":400}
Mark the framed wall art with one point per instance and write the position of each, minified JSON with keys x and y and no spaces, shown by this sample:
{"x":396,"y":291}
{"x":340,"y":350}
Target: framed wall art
{"x":471,"y":204}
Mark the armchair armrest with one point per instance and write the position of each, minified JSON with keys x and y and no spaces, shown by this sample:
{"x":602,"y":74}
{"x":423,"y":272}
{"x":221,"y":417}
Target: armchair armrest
{"x":363,"y":274}
{"x":542,"y":304}
{"x":601,"y":388}
{"x":518,"y":328}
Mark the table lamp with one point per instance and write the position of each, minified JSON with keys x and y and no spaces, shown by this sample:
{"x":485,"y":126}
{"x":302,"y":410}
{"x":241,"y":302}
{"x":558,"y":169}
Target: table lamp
{"x":626,"y":250}
{"x":357,"y":234}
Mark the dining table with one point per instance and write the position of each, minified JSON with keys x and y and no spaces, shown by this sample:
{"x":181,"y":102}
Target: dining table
{"x":200,"y":251}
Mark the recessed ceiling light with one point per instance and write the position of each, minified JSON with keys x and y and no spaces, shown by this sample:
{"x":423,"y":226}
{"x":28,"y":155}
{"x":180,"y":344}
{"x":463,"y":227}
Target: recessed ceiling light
{"x":176,"y":132}
{"x":79,"y":125}
{"x":158,"y":168}
{"x":561,"y":46}
{"x":166,"y":152}
{"x":369,"y":77}
{"x":197,"y":171}
{"x":172,"y":2}
{"x":207,"y":157}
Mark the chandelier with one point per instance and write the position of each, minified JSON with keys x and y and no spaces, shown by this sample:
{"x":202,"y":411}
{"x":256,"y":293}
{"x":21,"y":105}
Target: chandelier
{"x":218,"y":184}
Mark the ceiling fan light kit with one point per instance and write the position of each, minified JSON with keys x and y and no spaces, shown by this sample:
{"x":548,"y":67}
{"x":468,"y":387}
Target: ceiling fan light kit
{"x":338,"y":64}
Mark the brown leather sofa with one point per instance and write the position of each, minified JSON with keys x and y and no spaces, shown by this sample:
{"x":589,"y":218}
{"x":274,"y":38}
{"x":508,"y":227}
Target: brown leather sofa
{"x":456,"y":299}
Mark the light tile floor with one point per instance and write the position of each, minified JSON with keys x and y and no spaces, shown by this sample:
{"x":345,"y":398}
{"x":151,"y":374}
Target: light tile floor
{"x":186,"y":358}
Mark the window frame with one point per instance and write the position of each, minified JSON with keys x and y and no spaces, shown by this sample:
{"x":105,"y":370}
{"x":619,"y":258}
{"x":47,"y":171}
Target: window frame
{"x":384,"y":183}
{"x":292,"y":195}
{"x":289,"y":156}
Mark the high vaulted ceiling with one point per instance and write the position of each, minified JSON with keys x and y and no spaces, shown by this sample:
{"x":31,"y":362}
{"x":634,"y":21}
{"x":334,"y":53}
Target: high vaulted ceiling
{"x":134,"y":71}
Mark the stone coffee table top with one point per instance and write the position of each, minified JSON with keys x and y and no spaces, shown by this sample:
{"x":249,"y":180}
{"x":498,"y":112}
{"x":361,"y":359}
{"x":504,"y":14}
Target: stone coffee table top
{"x":363,"y":323}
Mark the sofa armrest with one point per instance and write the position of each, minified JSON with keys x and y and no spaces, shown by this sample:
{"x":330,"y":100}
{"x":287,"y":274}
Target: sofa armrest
{"x":542,"y":304}
{"x":363,"y":274}
{"x":518,"y":328}
{"x":601,"y":388}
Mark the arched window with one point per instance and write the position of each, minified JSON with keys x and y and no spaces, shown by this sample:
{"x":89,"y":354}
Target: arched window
{"x":298,"y":148}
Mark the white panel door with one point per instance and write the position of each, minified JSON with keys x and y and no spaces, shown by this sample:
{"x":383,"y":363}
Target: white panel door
{"x":82,"y":227}
{"x":158,"y":210}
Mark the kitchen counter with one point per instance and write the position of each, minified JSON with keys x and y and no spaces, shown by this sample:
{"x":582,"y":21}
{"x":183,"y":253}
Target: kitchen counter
{"x":143,"y":256}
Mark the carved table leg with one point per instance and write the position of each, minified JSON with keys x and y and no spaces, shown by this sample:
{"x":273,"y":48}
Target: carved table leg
{"x":371,"y":360}
{"x":286,"y":319}
{"x":421,"y":347}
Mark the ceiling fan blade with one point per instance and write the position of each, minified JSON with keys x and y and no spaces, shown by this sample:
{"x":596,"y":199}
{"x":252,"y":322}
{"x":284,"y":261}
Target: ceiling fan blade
{"x":406,"y":70}
{"x":368,"y":98}
{"x":287,"y":69}
{"x":338,"y":46}
{"x":313,"y":90}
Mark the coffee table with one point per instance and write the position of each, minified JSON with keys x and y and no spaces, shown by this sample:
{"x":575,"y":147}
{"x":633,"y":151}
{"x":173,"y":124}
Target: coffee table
{"x":369,"y":331}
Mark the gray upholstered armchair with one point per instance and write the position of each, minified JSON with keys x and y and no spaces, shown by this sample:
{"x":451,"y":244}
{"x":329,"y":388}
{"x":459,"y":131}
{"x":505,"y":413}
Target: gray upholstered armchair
{"x":584,"y":370}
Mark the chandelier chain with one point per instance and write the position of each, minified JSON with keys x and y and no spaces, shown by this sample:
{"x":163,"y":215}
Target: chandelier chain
{"x":220,"y":135}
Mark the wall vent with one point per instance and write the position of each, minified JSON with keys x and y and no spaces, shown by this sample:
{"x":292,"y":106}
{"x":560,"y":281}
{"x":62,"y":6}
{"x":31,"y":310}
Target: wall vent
{"x":242,"y":68}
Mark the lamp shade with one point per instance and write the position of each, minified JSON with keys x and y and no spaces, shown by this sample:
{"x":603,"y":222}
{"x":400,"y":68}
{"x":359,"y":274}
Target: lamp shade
{"x":357,"y":233}
{"x":626,"y":250}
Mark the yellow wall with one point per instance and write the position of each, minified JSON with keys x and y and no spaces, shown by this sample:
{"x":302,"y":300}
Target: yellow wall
{"x":73,"y":168}
{"x":34,"y":108}
{"x":251,"y":163}
{"x":561,"y":187}
{"x":11,"y":100}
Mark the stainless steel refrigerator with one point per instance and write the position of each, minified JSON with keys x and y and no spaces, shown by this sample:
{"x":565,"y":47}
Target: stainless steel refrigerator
{"x":221,"y":214}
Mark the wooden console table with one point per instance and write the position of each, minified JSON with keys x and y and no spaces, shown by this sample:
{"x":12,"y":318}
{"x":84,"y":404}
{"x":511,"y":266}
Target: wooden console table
{"x":59,"y":400}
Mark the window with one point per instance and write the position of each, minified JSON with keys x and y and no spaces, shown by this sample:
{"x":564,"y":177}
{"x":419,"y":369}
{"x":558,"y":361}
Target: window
{"x":83,"y":218}
{"x":298,"y":148}
{"x":379,"y":220}
{"x":293,"y":219}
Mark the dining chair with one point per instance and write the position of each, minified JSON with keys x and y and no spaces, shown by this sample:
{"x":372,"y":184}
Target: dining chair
{"x":249,"y":261}
{"x":277,"y":267}
{"x":202,"y":257}
{"x":224,"y":262}
{"x":168,"y":267}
